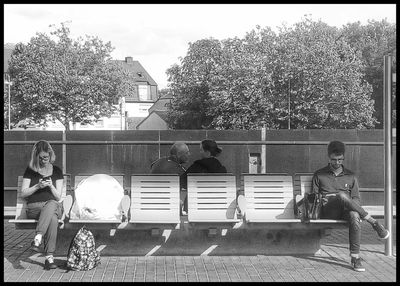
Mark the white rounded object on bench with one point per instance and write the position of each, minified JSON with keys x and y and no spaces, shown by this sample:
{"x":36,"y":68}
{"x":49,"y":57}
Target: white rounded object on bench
{"x":98,"y":197}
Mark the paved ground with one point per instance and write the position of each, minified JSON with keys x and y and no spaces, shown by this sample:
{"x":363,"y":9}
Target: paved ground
{"x":23,"y":265}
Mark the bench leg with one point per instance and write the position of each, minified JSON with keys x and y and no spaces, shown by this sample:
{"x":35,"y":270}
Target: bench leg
{"x":241,"y":206}
{"x":67,"y":204}
{"x":124,"y":206}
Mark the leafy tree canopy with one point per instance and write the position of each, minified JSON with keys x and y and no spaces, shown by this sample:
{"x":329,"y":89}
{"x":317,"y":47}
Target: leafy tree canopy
{"x":309,"y":75}
{"x":56,"y":77}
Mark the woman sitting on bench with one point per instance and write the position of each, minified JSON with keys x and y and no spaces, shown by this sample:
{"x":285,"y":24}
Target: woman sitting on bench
{"x":42,"y":187}
{"x":208,"y":163}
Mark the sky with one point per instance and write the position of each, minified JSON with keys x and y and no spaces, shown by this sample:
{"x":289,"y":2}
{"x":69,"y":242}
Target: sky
{"x":157,"y":35}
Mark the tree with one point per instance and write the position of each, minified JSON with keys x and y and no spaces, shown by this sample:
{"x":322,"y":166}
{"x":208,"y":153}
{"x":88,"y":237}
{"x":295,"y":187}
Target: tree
{"x":307,"y":76}
{"x":374,"y":41}
{"x":56,"y":77}
{"x":239,"y":87}
{"x":322,"y":76}
{"x":190,"y":84}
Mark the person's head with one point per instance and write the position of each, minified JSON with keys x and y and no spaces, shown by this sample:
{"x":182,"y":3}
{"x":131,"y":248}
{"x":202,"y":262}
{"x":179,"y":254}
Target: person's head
{"x":181,"y":151}
{"x":336,"y":151}
{"x":209,"y":148}
{"x":42,"y":154}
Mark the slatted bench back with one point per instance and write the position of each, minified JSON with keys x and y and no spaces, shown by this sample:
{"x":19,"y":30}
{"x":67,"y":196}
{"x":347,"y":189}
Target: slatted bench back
{"x":269,"y":197}
{"x":303,"y":183}
{"x":211,"y":198}
{"x":21,"y":202}
{"x":155,"y":199}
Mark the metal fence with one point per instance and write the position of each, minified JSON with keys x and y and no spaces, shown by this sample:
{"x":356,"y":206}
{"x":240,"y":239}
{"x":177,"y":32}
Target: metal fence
{"x":133,"y":151}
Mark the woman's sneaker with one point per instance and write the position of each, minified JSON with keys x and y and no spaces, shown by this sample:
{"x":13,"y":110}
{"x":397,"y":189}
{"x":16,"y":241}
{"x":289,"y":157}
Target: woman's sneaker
{"x":49,"y":263}
{"x":35,"y":244}
{"x":381,"y":230}
{"x":356,"y":264}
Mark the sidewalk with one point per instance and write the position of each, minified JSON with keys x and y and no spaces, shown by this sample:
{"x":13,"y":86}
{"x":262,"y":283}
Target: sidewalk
{"x":332,"y":265}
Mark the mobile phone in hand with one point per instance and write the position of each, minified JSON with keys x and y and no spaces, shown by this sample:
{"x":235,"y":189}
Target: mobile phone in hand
{"x":46,"y":179}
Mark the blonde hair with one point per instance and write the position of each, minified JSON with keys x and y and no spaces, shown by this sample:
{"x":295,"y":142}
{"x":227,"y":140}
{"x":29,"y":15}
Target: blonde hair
{"x":41,"y":146}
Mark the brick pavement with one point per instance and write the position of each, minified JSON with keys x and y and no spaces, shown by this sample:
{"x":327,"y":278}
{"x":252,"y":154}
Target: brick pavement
{"x":332,"y":265}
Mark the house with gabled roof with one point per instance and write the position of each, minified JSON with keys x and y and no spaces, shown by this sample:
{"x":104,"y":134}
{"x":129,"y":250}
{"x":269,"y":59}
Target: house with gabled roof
{"x":135,"y":106}
{"x":157,"y":118}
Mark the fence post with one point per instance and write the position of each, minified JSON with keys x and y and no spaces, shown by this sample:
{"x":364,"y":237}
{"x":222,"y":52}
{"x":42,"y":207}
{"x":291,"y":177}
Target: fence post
{"x":64,"y":153}
{"x":387,"y":98}
{"x":263,"y":151}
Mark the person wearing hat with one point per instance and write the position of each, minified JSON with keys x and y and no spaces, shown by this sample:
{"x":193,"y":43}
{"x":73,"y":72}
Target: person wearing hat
{"x":341,"y":199}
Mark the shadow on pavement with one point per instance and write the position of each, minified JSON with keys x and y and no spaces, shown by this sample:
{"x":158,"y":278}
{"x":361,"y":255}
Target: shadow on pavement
{"x":346,"y":247}
{"x":25,"y":257}
{"x":328,"y":260}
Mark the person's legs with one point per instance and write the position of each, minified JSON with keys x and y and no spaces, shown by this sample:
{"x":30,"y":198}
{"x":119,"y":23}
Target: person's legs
{"x":33,"y":211}
{"x":50,"y":237}
{"x":334,"y":209}
{"x":354,"y":232}
{"x":354,"y":239}
{"x":347,"y":203}
{"x":331,"y":209}
{"x":48,"y":224}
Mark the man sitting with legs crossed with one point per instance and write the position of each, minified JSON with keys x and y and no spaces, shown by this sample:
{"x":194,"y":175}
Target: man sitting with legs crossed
{"x":341,"y":199}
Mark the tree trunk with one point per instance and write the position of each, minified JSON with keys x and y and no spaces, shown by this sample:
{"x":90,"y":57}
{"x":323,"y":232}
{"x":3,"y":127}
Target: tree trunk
{"x":66,"y":125}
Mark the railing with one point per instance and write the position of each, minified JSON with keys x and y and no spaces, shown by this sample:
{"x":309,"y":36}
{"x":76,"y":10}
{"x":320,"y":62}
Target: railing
{"x":169,"y":142}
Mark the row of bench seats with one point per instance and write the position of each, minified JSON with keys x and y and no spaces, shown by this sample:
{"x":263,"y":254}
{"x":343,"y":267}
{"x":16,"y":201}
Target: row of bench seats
{"x":153,"y":201}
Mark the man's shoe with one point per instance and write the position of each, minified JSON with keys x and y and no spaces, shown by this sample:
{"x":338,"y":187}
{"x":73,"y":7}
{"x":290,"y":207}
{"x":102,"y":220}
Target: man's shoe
{"x":356,"y":263}
{"x":35,"y":246}
{"x":49,"y":264}
{"x":381,"y":230}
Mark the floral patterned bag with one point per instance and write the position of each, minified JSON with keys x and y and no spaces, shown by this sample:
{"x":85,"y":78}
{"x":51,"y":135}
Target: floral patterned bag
{"x":82,"y":253}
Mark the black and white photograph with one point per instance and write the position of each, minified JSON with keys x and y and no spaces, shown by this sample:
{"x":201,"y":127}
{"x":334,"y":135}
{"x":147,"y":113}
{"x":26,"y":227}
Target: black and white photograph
{"x":199,"y":142}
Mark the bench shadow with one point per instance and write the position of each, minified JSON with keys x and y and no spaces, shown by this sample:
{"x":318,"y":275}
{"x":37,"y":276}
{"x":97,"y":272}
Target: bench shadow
{"x":230,"y":212}
{"x":288,"y":212}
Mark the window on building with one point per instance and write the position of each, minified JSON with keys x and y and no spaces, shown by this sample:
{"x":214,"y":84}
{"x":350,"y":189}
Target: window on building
{"x":143,"y":92}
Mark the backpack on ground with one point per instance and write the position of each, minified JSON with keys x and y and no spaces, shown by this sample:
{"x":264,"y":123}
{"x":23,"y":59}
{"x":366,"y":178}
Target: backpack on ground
{"x":82,"y":253}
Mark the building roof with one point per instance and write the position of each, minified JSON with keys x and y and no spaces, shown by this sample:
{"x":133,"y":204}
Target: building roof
{"x":162,"y":114}
{"x":140,"y":74}
{"x":160,"y":104}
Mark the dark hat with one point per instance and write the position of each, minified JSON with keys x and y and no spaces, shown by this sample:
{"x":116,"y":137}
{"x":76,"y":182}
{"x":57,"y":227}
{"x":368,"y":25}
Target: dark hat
{"x":336,"y":147}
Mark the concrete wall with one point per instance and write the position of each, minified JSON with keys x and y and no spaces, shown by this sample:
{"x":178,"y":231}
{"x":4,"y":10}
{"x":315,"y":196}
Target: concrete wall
{"x":366,"y":160}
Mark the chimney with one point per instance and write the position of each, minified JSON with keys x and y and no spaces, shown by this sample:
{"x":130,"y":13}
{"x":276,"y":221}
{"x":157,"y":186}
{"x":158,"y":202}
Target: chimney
{"x":128,"y":60}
